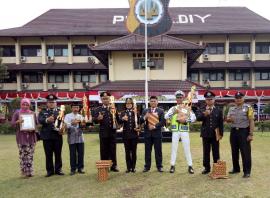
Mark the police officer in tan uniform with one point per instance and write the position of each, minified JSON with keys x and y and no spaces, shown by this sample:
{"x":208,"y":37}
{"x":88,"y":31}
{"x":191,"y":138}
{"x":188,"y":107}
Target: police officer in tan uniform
{"x":241,"y":117}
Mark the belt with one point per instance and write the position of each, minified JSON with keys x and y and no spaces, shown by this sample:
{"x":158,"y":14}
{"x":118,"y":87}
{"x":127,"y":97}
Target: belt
{"x":238,"y":129}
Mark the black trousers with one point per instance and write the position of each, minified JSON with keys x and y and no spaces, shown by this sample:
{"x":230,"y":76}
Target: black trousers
{"x":209,"y":143}
{"x":53,"y":147}
{"x":131,"y":152}
{"x":76,"y":153}
{"x":108,"y":149}
{"x":238,"y":140}
{"x":149,"y":142}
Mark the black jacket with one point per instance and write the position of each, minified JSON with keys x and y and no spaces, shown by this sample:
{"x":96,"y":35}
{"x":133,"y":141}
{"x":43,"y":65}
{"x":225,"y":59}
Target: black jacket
{"x":155,"y":132}
{"x":128,"y":126}
{"x":106,"y":125}
{"x":47,"y":131}
{"x":211,"y":122}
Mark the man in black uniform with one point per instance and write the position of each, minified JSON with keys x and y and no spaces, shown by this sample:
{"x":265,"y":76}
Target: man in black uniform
{"x":211,"y":130}
{"x":241,"y":117}
{"x":153,"y":134}
{"x":107,"y":131}
{"x":52,"y":141}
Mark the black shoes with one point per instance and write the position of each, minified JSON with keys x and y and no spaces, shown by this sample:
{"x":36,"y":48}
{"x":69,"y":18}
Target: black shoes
{"x":60,"y":173}
{"x":234,"y":172}
{"x":190,"y":170}
{"x":114,"y":169}
{"x":205,"y":171}
{"x":172,"y":169}
{"x":145,"y":170}
{"x":49,"y":175}
{"x":72,"y":173}
{"x":128,"y":171}
{"x":160,"y":170}
{"x":133,"y":170}
{"x":81,"y":171}
{"x":246,"y":175}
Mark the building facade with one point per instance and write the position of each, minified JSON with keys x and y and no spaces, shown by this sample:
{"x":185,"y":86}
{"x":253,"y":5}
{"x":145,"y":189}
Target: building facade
{"x":80,"y":50}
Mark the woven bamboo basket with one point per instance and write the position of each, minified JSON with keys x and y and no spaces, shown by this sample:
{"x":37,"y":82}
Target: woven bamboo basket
{"x":219,"y":170}
{"x":103,"y":169}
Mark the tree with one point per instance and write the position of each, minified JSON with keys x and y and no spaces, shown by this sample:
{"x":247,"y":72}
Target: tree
{"x":267,"y":109}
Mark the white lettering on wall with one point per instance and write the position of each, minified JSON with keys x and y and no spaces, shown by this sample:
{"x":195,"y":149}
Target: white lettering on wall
{"x":202,"y":17}
{"x":182,"y":18}
{"x":118,"y":19}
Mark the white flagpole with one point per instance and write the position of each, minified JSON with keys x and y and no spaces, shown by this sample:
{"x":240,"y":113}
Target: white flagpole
{"x":146,"y":56}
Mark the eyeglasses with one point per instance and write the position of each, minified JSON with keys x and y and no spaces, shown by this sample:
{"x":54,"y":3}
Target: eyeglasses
{"x":179,"y":97}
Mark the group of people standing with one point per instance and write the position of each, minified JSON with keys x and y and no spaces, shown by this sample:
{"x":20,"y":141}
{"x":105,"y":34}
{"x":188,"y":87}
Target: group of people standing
{"x":152,"y":119}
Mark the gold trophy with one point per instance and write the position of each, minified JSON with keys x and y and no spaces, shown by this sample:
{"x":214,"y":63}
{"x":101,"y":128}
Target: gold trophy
{"x":113,"y":112}
{"x":59,"y":123}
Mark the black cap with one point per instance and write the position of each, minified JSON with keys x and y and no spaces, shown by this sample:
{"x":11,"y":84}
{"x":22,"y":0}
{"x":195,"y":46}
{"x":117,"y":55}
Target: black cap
{"x":75,"y":104}
{"x":209,"y":94}
{"x":104,"y":93}
{"x":51,"y":97}
{"x":239,"y":95}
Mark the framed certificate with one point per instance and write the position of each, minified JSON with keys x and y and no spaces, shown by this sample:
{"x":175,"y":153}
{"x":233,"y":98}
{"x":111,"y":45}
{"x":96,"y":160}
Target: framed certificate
{"x":28,"y":123}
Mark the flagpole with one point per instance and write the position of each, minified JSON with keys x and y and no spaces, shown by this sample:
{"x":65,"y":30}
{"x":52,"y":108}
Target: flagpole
{"x":146,"y":55}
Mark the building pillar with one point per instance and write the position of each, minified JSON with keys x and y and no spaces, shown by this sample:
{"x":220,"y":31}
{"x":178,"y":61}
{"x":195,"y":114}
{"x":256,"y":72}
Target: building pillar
{"x":227,"y":79}
{"x":43,"y":51}
{"x":45,"y":81}
{"x":18,"y":52}
{"x":71,"y":81}
{"x":252,"y":78}
{"x":201,"y":44}
{"x":200,"y":77}
{"x":227,"y":49}
{"x":19,"y":81}
{"x":253,"y":48}
{"x":111,"y":67}
{"x":70,"y":53}
{"x":97,"y":78}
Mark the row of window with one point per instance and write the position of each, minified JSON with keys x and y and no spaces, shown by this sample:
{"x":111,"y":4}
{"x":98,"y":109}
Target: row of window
{"x":237,"y":48}
{"x":52,"y":50}
{"x":238,"y":75}
{"x":62,"y":77}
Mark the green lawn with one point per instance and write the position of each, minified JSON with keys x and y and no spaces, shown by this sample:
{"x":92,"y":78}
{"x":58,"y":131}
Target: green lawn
{"x":152,"y":184}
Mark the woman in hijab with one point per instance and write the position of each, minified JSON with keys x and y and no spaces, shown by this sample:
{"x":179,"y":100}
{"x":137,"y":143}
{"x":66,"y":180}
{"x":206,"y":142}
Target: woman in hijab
{"x":26,"y":140}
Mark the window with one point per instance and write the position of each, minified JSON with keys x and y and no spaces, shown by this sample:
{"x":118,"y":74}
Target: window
{"x":213,"y":76}
{"x":7,"y":51}
{"x":103,"y":77}
{"x":239,"y":48}
{"x":31,"y":77}
{"x":239,"y":75}
{"x":12,"y":78}
{"x":57,"y":50}
{"x":194,"y":77}
{"x":31,"y":50}
{"x":156,"y":61}
{"x":85,"y":77}
{"x":58,"y":77}
{"x":262,"y":75}
{"x":262,"y":48}
{"x":81,"y":50}
{"x":214,"y":48}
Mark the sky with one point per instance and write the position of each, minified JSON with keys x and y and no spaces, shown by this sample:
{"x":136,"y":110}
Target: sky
{"x":15,"y":13}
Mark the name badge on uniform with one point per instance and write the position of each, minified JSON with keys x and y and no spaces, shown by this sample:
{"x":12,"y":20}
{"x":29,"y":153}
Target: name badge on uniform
{"x":184,"y":111}
{"x":173,"y":126}
{"x":184,"y":128}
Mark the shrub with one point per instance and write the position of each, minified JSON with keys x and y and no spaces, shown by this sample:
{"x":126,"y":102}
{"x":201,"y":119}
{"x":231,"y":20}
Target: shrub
{"x":6,"y":128}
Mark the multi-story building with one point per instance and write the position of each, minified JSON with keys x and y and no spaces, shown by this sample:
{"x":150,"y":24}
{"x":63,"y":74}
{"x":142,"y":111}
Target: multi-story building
{"x":71,"y":51}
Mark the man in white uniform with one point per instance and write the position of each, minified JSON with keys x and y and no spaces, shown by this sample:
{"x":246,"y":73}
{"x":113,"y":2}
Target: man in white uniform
{"x":180,"y":129}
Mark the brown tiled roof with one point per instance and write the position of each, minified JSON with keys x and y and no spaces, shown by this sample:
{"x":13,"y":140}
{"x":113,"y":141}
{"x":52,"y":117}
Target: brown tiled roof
{"x":67,"y":22}
{"x":136,"y":42}
{"x":55,"y":66}
{"x":231,"y":64}
{"x":153,"y":85}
